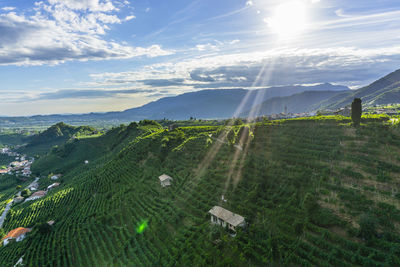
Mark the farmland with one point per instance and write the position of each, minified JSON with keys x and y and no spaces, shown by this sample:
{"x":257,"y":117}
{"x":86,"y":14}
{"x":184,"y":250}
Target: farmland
{"x":316,"y":191}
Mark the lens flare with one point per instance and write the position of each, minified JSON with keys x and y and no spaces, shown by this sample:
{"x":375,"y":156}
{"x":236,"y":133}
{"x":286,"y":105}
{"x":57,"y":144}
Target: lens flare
{"x":141,"y":227}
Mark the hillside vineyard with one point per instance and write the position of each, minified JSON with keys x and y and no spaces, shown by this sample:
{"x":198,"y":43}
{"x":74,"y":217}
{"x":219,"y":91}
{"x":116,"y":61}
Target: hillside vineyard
{"x":314,"y":191}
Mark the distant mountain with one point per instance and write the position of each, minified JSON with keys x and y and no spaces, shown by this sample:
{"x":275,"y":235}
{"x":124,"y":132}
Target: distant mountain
{"x":215,"y":104}
{"x":297,"y":103}
{"x":205,"y":104}
{"x":383,"y":91}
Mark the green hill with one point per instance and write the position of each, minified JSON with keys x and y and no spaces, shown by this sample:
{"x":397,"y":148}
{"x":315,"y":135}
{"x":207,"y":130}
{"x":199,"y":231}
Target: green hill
{"x":383,"y":91}
{"x":314,"y":192}
{"x":53,"y":136}
{"x":96,"y":149}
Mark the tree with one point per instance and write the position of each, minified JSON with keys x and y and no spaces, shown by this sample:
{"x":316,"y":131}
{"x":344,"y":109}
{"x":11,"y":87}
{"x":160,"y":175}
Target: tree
{"x":44,"y":228}
{"x":310,"y":204}
{"x":238,"y":122}
{"x":368,"y":225}
{"x":25,"y":193}
{"x":231,"y":136}
{"x":356,"y":111}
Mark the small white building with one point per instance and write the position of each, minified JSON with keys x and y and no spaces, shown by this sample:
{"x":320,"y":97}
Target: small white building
{"x":226,"y":218}
{"x":34,"y":186}
{"x":86,"y":162}
{"x":36,"y":195}
{"x":53,"y":186}
{"x":165,"y":180}
{"x":55,"y":177}
{"x":26,"y":172}
{"x":18,"y":234}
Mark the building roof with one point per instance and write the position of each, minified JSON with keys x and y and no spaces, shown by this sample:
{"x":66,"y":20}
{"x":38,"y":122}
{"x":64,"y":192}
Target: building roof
{"x":16,"y":233}
{"x":39,"y":194}
{"x":54,"y":185}
{"x":226,"y":215}
{"x":165,"y":177}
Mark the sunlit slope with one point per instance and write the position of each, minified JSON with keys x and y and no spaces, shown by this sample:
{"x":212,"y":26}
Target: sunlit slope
{"x":304,"y":187}
{"x":383,"y":91}
{"x":55,"y":135}
{"x":96,"y":149}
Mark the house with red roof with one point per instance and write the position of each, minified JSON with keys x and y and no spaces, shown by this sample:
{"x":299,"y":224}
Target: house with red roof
{"x":17,"y":234}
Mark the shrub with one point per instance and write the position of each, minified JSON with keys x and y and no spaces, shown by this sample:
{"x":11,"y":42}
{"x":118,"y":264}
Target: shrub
{"x":368,"y":226}
{"x":26,"y":193}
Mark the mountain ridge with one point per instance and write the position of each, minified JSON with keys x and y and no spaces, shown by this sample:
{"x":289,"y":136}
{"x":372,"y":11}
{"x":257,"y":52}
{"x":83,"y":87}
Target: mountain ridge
{"x":203,"y":104}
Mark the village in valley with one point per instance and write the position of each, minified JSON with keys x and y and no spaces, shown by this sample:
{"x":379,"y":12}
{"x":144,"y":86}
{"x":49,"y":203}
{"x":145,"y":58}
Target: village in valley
{"x":21,"y":168}
{"x":21,"y":165}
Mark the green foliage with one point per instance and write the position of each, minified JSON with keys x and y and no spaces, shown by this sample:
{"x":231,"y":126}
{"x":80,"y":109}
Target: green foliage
{"x":44,"y":228}
{"x":310,"y":204}
{"x":26,"y":193}
{"x":231,"y":136}
{"x":237,"y":122}
{"x":356,"y":111}
{"x":149,"y":122}
{"x":368,"y":227}
{"x":293,"y":185}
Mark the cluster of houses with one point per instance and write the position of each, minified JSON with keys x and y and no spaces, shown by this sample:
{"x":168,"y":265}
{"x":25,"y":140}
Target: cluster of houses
{"x":219,"y":215}
{"x":388,"y":111}
{"x":8,"y":152}
{"x":19,"y":233}
{"x":21,"y":165}
{"x":34,"y":186}
{"x":40,"y":193}
{"x":290,"y":115}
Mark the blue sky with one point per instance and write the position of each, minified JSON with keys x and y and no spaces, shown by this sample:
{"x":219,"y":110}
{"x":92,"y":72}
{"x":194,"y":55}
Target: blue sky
{"x":77,"y":56}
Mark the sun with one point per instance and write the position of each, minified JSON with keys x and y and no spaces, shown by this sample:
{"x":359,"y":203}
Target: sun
{"x":289,"y":19}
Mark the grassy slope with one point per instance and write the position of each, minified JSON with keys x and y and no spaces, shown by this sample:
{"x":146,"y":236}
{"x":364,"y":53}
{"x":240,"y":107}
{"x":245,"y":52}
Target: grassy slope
{"x":55,"y":135}
{"x":11,"y":139}
{"x":303,"y":186}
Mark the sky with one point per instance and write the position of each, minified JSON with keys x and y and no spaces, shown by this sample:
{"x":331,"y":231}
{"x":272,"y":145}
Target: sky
{"x":80,"y":56}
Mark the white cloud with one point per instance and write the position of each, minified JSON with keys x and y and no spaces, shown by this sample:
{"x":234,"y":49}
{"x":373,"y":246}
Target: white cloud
{"x":340,"y":13}
{"x":206,"y":47}
{"x":147,"y":9}
{"x":65,"y":30}
{"x":90,"y":5}
{"x":8,"y":8}
{"x":128,"y":18}
{"x":342,"y":65}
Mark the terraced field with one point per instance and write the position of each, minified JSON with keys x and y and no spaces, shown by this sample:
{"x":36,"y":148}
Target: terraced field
{"x":313,"y":193}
